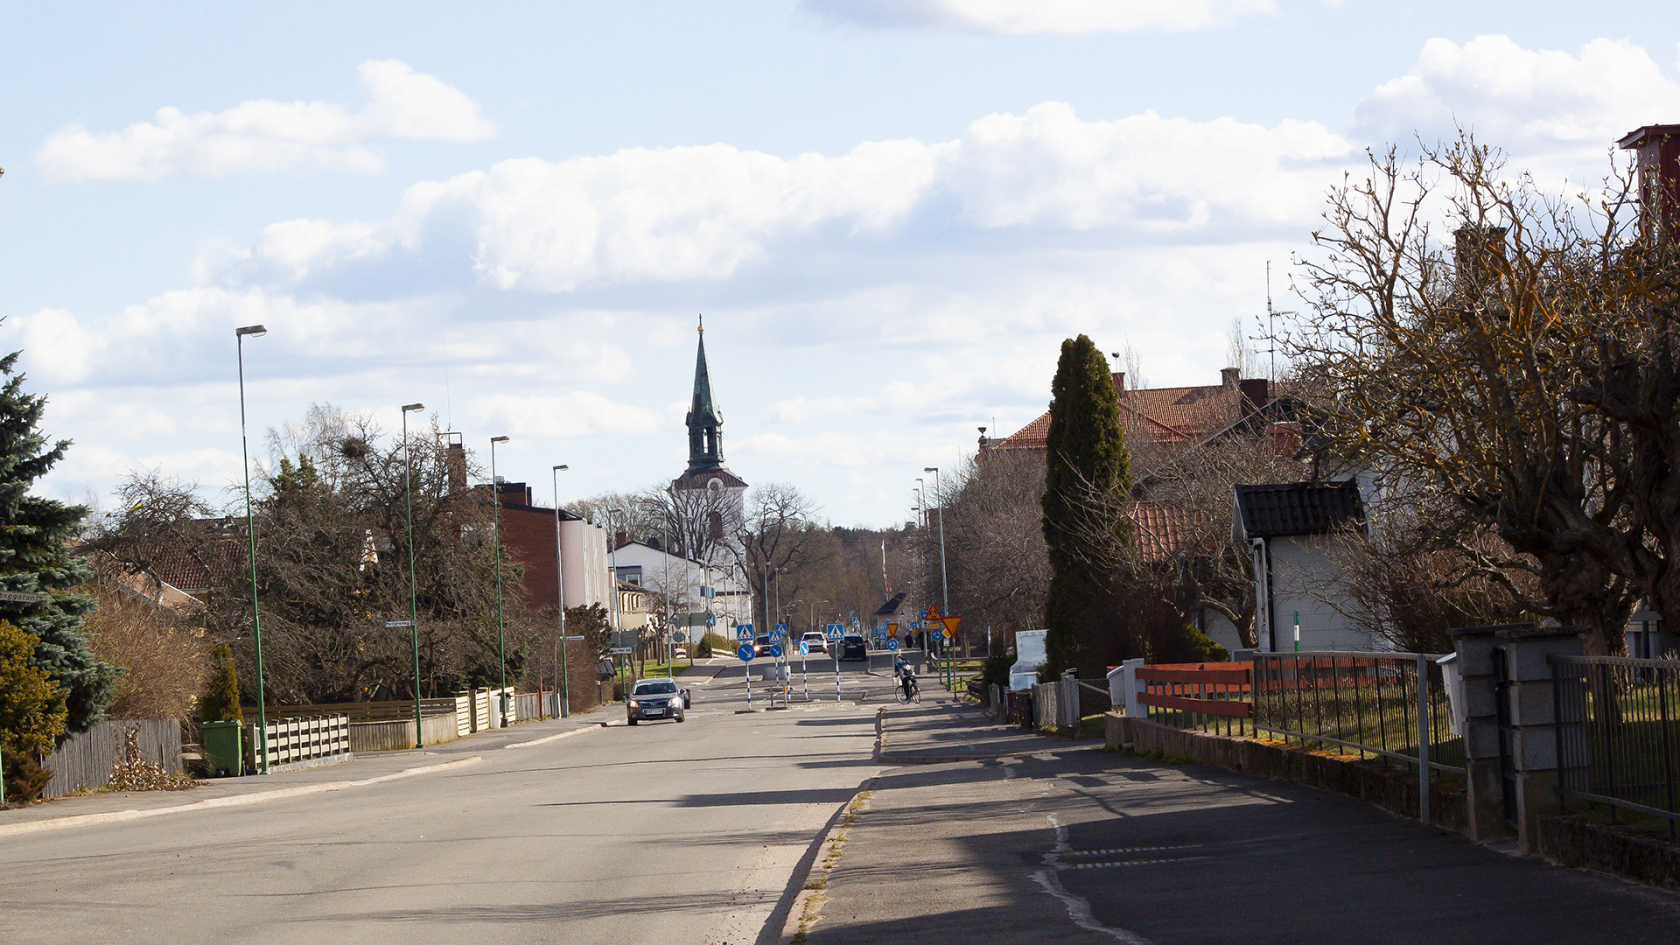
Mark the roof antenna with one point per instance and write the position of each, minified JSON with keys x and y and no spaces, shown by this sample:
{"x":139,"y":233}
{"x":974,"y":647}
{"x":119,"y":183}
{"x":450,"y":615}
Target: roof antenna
{"x":1271,"y":327}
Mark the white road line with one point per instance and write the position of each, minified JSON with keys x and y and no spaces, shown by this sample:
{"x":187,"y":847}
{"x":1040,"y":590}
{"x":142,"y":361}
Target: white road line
{"x":1078,"y":909}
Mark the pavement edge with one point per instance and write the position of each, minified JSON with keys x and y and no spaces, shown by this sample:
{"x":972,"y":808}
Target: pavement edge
{"x":806,"y":908}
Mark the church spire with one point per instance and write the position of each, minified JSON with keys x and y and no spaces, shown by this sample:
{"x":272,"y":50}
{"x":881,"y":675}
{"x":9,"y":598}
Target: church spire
{"x":705,"y":434}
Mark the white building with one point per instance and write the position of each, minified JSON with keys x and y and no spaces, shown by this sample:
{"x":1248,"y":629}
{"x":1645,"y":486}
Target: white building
{"x":1290,"y":530}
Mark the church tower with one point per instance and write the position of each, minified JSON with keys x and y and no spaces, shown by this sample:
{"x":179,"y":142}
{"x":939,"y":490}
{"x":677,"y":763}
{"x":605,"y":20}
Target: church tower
{"x":705,"y":433}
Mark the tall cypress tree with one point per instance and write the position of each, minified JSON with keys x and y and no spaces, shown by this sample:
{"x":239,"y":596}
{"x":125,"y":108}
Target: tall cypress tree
{"x":34,"y":559}
{"x":1086,"y":459}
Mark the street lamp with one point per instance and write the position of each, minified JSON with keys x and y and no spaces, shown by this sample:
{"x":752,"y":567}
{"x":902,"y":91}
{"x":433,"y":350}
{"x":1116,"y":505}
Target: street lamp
{"x":496,"y":547}
{"x":239,"y":335}
{"x":560,"y":598}
{"x":944,"y":583}
{"x":413,"y":603}
{"x":939,"y":493}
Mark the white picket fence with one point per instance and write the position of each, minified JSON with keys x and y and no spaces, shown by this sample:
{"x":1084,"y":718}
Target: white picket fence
{"x":305,"y":742}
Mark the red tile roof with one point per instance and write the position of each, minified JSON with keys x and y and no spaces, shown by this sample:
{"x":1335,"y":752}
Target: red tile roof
{"x":1163,"y":531}
{"x":1157,"y":415}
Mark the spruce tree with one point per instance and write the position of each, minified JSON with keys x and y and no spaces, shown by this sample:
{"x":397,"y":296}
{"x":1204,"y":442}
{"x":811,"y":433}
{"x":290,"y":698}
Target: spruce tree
{"x":1086,"y":459}
{"x":34,"y":559}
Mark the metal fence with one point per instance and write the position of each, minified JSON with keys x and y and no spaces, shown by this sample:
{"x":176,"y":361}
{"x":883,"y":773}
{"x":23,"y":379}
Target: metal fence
{"x":1618,"y":733}
{"x":1208,"y":696}
{"x":85,"y":760}
{"x":1367,"y":702}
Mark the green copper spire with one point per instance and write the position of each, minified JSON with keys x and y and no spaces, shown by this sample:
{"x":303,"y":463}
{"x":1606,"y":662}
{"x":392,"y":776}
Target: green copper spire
{"x":705,"y":434}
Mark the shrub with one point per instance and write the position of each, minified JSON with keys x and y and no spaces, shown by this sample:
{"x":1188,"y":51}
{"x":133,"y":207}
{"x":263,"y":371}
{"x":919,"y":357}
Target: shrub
{"x":220,"y":702}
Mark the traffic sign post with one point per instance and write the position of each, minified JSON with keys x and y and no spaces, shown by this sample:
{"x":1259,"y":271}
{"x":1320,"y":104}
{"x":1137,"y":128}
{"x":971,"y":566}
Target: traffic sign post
{"x":745,"y":652}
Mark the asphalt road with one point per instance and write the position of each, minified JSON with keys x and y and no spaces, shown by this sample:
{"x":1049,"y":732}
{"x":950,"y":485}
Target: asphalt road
{"x":664,"y":832}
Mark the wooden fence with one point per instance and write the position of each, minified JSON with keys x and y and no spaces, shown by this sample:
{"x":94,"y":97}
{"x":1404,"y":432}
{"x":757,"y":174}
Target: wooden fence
{"x":398,"y":735}
{"x":1194,"y":695}
{"x":358,"y":711}
{"x":85,"y":760}
{"x":305,"y":741}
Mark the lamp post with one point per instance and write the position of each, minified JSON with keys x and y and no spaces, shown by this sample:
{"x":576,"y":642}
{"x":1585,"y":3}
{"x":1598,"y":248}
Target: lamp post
{"x":240,"y":334}
{"x":413,"y":596}
{"x":560,"y":597}
{"x":496,"y":547}
{"x":944,"y":583}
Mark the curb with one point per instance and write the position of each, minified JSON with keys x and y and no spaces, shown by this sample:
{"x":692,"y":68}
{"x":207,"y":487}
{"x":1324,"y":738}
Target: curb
{"x":804,"y":910}
{"x":236,"y":800}
{"x":550,"y":738}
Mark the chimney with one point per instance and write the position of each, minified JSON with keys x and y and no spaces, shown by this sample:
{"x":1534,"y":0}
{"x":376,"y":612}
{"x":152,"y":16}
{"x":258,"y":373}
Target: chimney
{"x":1476,"y":250}
{"x":1120,"y":383}
{"x":620,"y":539}
{"x":455,"y":463}
{"x":1255,"y":393}
{"x":1657,"y":150}
{"x":1229,"y":377}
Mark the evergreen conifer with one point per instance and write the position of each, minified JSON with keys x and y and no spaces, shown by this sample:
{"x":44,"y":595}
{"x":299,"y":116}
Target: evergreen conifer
{"x":220,"y":702}
{"x":34,"y":558}
{"x":1086,"y":458}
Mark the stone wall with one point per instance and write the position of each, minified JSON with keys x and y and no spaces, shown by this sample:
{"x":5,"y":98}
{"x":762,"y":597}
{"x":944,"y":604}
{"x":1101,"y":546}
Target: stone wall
{"x":1575,"y":842}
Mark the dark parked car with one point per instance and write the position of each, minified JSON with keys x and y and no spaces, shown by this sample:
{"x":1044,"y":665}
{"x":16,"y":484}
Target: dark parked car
{"x":852,"y":647}
{"x":657,"y":699}
{"x":761,"y":645}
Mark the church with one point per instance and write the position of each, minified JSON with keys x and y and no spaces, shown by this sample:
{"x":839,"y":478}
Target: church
{"x":707,"y":509}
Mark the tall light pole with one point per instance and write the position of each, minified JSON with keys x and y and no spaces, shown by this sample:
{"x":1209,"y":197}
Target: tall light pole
{"x":239,"y":335}
{"x":944,"y":584}
{"x":413,"y":596}
{"x":939,"y":493}
{"x":496,"y":547}
{"x":560,"y":597}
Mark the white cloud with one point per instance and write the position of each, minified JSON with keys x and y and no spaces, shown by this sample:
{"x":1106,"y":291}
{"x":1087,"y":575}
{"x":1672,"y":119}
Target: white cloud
{"x":1528,"y":101}
{"x":267,"y":135}
{"x":1011,"y":17}
{"x":705,"y":212}
{"x":580,"y":413}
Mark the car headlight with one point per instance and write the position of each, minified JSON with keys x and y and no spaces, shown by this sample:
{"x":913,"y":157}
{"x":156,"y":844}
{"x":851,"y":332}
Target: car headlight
{"x":634,"y":704}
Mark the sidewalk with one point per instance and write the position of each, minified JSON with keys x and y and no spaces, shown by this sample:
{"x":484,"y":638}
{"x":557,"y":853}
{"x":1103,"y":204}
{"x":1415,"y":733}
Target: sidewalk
{"x":940,"y":729}
{"x":1069,"y":845}
{"x":366,"y":766}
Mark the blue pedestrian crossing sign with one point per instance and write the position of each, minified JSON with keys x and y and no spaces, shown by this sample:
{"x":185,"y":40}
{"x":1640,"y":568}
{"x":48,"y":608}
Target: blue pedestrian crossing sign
{"x":835,"y":631}
{"x":778,"y":634}
{"x":745,"y":652}
{"x":776,"y":651}
{"x":743,"y":632}
{"x":892,"y":644}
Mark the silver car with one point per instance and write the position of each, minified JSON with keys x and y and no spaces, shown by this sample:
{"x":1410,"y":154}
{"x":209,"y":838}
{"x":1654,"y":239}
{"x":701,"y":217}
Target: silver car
{"x":657,"y":698}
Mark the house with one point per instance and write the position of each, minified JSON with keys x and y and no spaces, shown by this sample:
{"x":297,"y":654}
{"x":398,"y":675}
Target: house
{"x":1160,"y":419}
{"x":529,"y":533}
{"x":1290,"y":531}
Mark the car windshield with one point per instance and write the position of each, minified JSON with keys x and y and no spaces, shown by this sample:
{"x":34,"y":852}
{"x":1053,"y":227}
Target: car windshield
{"x":660,"y":688}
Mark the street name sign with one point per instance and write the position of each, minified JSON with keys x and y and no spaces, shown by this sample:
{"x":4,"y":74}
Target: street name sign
{"x":394,"y":624}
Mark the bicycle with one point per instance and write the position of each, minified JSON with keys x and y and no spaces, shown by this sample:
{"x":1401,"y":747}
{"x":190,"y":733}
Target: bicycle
{"x":907,"y":689}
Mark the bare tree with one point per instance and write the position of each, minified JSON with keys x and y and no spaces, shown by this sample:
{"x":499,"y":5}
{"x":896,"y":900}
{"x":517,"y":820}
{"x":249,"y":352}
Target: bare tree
{"x":1458,"y":372}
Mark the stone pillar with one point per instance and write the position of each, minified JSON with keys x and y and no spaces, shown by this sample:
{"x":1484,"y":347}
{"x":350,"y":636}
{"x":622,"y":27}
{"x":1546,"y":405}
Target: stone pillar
{"x":1474,"y":646}
{"x":1528,"y":696}
{"x":1123,"y":687}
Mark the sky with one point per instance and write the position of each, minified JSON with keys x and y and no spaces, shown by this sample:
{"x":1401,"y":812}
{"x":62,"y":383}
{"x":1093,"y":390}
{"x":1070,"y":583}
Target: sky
{"x":890,"y":212}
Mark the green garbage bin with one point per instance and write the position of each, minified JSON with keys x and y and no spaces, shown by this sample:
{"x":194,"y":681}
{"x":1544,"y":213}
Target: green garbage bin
{"x":224,"y":749}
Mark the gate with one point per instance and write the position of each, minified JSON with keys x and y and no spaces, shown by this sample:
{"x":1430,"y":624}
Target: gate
{"x":1502,"y":706}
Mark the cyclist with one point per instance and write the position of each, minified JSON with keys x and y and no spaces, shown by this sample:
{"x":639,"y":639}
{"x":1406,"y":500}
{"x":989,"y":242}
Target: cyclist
{"x":906,"y":677}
